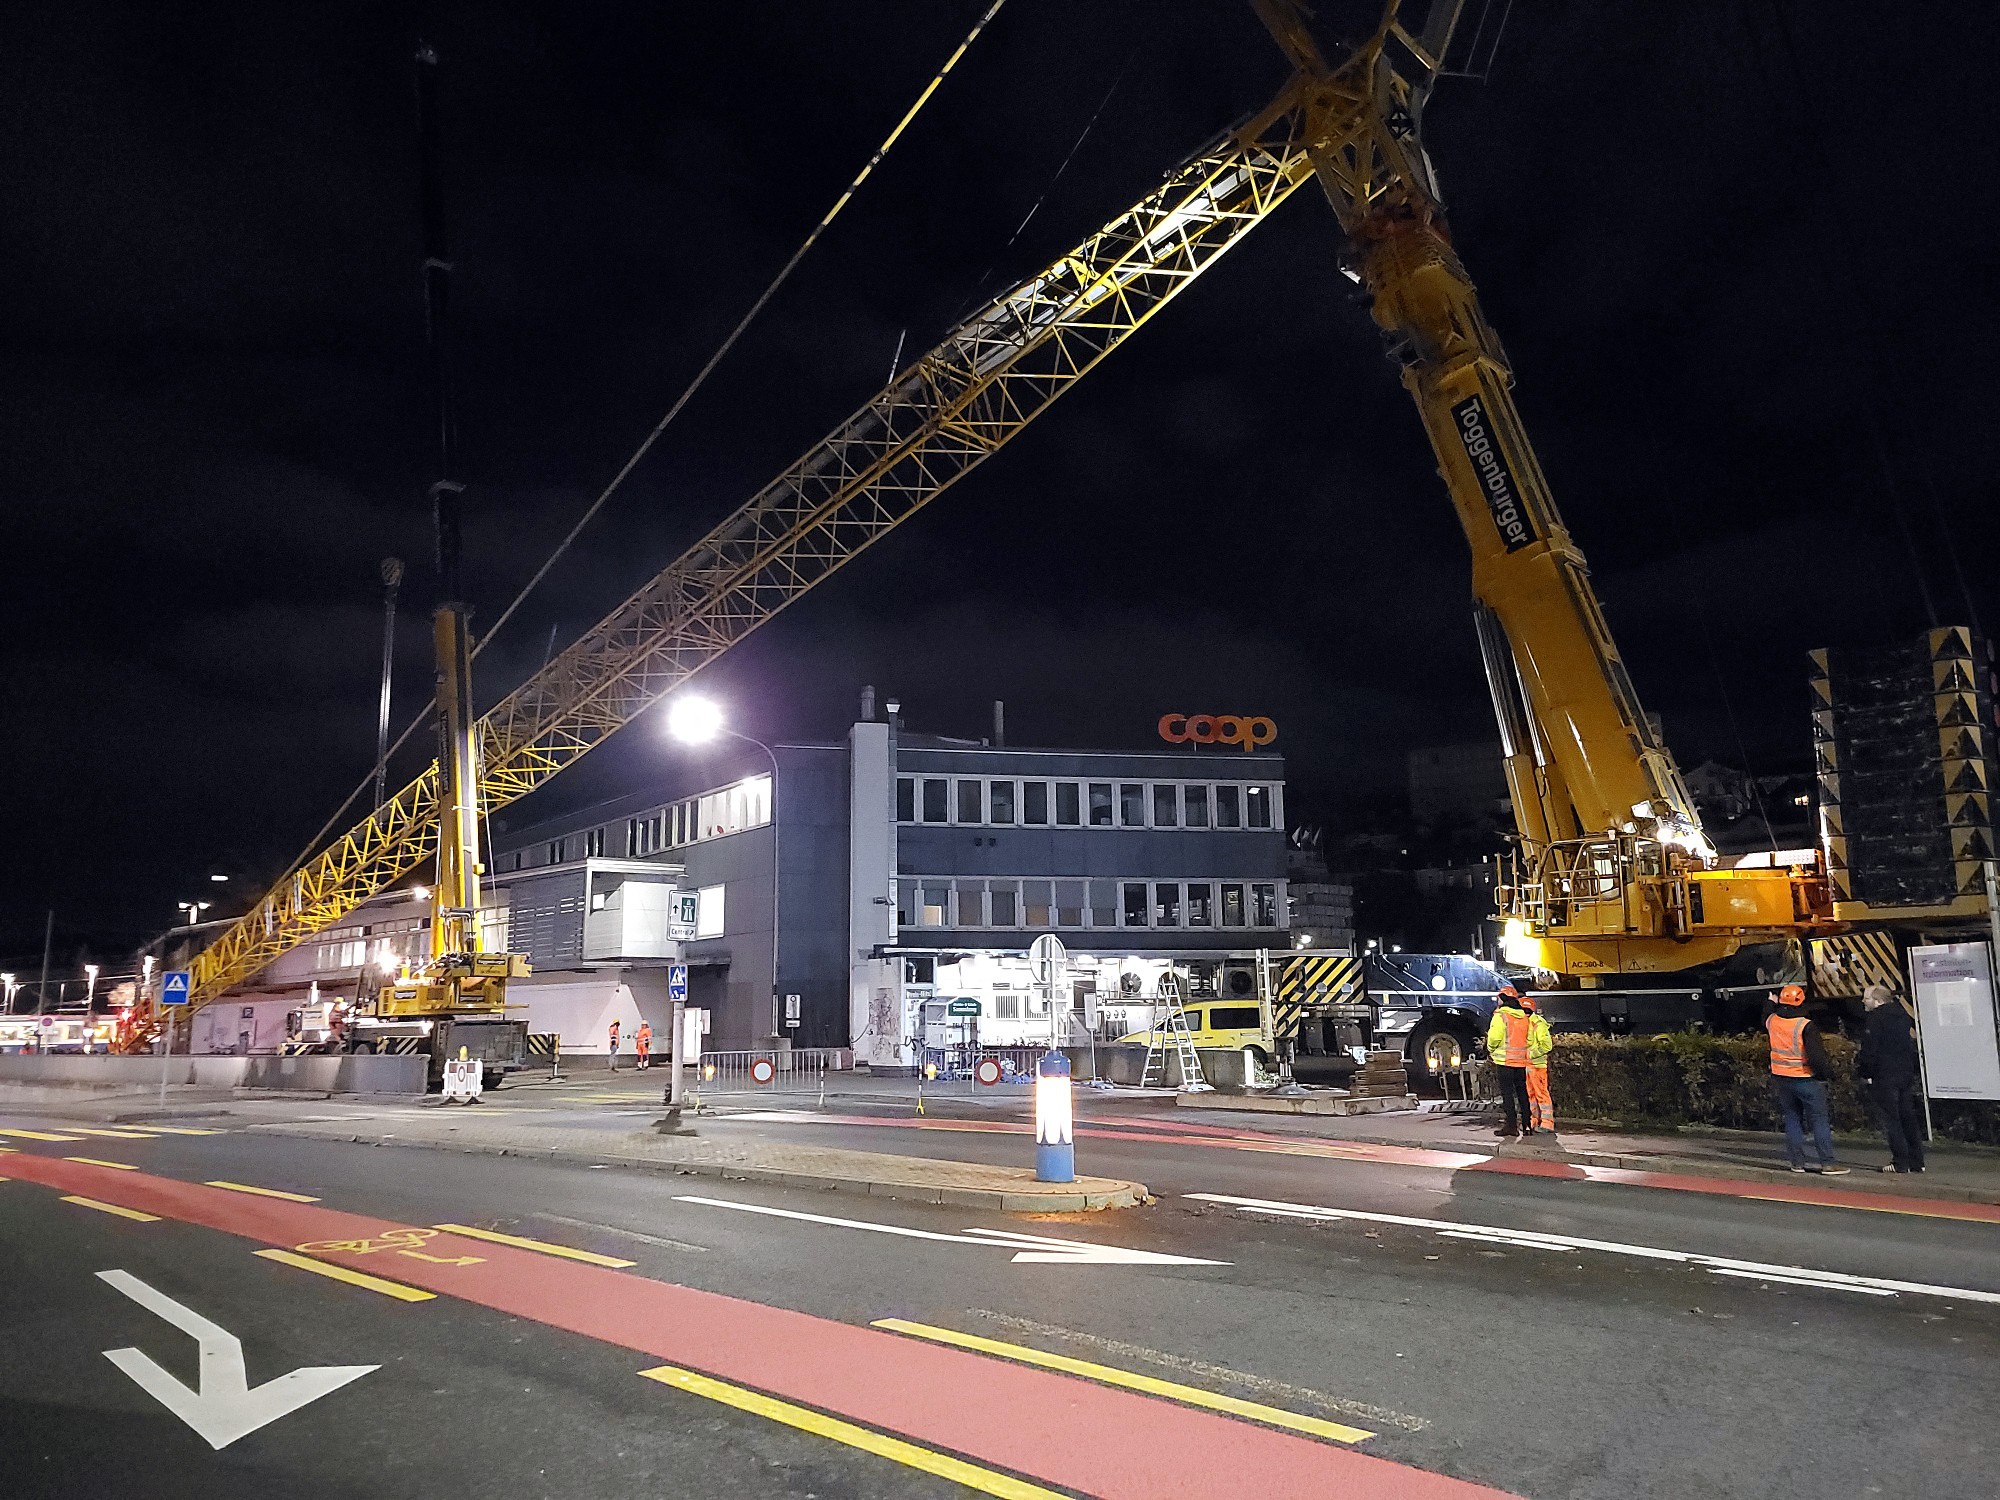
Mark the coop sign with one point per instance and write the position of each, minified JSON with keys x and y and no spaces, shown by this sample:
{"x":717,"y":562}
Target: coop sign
{"x":1242,"y":731}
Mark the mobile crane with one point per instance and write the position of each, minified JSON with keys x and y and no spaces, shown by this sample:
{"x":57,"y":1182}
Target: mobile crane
{"x":1613,"y":873}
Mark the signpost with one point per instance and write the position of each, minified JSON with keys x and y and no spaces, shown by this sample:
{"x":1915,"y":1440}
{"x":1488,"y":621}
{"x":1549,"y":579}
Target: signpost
{"x":677,"y":994}
{"x":1055,"y":1146}
{"x":963,"y":1006}
{"x":175,"y":986}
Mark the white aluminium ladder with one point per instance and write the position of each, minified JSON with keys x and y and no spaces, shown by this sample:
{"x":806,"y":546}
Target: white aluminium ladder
{"x":1171,"y":1030}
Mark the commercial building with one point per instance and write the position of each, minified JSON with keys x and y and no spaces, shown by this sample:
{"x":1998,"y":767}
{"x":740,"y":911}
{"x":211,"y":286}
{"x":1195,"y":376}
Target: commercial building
{"x":904,"y":871}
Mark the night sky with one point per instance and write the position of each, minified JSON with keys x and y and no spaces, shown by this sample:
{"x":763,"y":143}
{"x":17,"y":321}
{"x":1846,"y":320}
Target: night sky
{"x":1742,"y":255}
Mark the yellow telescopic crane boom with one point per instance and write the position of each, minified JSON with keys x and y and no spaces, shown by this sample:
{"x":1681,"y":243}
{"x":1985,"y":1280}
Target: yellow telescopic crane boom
{"x":1614,"y":870}
{"x":938,"y":419}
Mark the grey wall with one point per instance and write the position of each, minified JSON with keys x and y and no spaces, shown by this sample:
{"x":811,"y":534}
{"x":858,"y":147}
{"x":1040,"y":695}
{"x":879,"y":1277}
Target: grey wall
{"x":338,"y":1075}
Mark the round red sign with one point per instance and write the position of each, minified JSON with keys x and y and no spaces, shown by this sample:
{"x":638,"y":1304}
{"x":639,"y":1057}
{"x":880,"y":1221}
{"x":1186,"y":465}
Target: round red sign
{"x":763,"y":1070}
{"x":988,"y":1071}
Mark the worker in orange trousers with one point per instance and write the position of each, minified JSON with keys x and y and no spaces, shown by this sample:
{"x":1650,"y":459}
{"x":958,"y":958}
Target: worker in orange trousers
{"x":644,"y":1040}
{"x":1541,"y":1105}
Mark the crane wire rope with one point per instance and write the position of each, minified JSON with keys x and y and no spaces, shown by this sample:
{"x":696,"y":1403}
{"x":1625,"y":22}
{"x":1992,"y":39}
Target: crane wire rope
{"x":686,"y":395}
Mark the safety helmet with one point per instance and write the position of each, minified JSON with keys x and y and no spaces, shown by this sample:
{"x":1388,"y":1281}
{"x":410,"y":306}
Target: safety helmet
{"x":1792,"y":994}
{"x":1528,"y":1003}
{"x":1507,"y":988}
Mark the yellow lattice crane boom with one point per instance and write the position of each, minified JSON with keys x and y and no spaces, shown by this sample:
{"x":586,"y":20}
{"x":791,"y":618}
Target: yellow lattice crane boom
{"x":937,"y":420}
{"x":1614,"y":873}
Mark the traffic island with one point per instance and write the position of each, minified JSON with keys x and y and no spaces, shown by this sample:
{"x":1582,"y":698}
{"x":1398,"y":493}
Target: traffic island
{"x":919,"y":1179}
{"x":1306,"y":1102}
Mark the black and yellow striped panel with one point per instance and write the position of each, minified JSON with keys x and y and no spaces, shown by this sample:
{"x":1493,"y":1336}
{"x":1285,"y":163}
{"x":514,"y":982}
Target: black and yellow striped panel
{"x":296,"y":1049}
{"x":543,"y":1043}
{"x":1843,"y":966}
{"x":402,"y":1046}
{"x":1307,"y":981}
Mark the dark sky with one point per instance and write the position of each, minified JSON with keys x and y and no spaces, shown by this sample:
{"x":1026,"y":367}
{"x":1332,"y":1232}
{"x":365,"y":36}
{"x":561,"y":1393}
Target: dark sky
{"x":1742,"y":255}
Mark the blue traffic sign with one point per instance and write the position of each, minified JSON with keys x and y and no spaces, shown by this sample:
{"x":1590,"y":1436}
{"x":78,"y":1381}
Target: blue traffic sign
{"x":174,"y":987}
{"x":677,"y":982}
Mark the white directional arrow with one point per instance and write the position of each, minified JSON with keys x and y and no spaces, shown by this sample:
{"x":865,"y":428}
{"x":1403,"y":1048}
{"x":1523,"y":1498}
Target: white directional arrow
{"x":1034,"y":1247}
{"x":225,"y":1408}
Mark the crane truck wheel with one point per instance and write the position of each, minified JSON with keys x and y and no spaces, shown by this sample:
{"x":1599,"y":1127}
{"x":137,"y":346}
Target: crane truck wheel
{"x":1434,"y":1047}
{"x":363,"y":1049}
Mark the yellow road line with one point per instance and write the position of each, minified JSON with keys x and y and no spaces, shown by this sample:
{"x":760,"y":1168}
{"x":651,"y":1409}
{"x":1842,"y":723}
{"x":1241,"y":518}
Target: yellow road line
{"x":1254,"y":1411}
{"x":93,"y":1161}
{"x":244,"y":1187}
{"x":972,"y":1476}
{"x":39,"y":1135}
{"x":118,"y":1135}
{"x":521,"y":1243}
{"x":113,"y":1208}
{"x":394,"y":1289}
{"x":181,"y":1130}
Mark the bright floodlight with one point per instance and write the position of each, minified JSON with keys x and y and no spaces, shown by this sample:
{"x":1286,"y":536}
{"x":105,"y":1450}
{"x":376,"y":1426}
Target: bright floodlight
{"x":693,"y":721}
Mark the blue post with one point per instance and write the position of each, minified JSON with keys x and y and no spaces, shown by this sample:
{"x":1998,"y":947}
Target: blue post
{"x":1055,"y":1142}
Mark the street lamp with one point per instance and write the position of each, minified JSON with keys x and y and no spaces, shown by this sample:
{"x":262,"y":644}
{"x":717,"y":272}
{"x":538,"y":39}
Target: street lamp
{"x":694,"y":720}
{"x":194,"y":909}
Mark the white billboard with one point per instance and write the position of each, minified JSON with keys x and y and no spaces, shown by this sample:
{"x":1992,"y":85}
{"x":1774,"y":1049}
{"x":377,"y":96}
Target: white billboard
{"x":1956,"y":1024}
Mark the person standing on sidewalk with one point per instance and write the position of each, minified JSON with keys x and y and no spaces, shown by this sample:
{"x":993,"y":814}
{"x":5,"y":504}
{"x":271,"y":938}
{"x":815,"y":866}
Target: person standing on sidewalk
{"x":614,"y":1046}
{"x":1541,"y":1104}
{"x":1799,"y":1072}
{"x":643,"y":1040}
{"x":1888,"y":1067}
{"x":1507,"y":1046}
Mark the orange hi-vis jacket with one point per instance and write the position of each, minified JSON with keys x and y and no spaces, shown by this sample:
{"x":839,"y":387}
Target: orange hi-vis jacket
{"x":1507,"y":1037}
{"x":1788,"y":1046}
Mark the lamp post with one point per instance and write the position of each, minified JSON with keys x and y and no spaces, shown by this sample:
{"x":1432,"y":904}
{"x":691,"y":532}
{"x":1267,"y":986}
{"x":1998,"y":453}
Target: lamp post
{"x":698,"y":721}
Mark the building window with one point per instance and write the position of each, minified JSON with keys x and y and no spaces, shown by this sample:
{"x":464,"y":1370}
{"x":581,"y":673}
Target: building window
{"x":1069,"y":804}
{"x":1069,"y":903}
{"x":1100,"y":804}
{"x":969,"y":799}
{"x":1167,"y":904}
{"x":1000,"y":802}
{"x":1037,"y":903}
{"x":1257,"y":806}
{"x":937,"y":900}
{"x":971,"y":903}
{"x":1103,"y":903}
{"x":906,"y":799}
{"x":1197,"y":806}
{"x":1132,"y":804}
{"x":1232,"y":903}
{"x":1263,"y":906}
{"x":1003,"y":899}
{"x":555,"y":851}
{"x":593,"y":844}
{"x":1166,"y":806}
{"x":937,"y":803}
{"x":1006,"y":1007}
{"x":1135,"y":903}
{"x":905,"y":889}
{"x":1035,"y":802}
{"x":1228,"y":810}
{"x":1200,"y":895}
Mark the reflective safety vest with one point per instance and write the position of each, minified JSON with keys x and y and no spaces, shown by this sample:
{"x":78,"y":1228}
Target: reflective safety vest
{"x":1788,"y":1046}
{"x":1514,"y":1026}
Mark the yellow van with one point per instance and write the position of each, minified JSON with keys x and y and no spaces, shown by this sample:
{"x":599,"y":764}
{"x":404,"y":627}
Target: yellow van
{"x":1224,"y":1025}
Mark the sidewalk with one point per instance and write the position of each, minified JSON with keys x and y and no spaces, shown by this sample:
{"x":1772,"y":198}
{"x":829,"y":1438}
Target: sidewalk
{"x":921,"y":1179}
{"x":1964,"y":1174}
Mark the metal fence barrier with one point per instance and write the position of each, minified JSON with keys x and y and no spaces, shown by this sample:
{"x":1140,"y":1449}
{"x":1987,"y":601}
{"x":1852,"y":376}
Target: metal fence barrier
{"x":785,"y":1070}
{"x":1473,"y":1084}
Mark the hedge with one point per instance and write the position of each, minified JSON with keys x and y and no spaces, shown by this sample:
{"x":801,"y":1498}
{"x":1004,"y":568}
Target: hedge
{"x":1694,"y":1078}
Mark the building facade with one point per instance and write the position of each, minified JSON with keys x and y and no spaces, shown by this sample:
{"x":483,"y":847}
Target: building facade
{"x":876,"y":880}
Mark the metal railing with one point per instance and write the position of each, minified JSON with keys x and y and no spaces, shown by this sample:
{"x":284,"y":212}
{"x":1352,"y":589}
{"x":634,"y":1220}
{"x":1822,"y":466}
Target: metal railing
{"x":791,"y":1070}
{"x":1473,"y":1084}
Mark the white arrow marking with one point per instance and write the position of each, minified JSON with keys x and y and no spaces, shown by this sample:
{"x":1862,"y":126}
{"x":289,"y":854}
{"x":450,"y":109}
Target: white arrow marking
{"x":225,"y":1408}
{"x":1039,"y":1249}
{"x":1531,"y":1239}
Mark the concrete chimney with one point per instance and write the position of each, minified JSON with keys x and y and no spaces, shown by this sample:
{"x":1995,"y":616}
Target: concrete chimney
{"x":868,"y":701}
{"x":999,"y":725}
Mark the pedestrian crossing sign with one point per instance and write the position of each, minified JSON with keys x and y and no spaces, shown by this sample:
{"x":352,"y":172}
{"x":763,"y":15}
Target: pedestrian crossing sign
{"x":174,"y":987}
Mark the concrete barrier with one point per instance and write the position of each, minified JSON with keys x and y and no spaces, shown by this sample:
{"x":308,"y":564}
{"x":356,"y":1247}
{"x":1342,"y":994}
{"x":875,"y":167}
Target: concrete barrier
{"x":1124,"y":1063}
{"x":320,"y":1075}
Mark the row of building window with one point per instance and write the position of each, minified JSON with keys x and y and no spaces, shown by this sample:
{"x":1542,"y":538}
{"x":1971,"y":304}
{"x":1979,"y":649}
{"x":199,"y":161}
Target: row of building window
{"x":713,"y":815}
{"x":957,"y":902}
{"x":1086,"y":804}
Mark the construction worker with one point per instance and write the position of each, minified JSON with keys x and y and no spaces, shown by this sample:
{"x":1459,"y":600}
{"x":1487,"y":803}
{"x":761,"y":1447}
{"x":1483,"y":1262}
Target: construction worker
{"x":1798,"y":1073}
{"x":1507,"y":1045}
{"x":643,"y":1039}
{"x":1542,"y":1107}
{"x":614,"y":1046}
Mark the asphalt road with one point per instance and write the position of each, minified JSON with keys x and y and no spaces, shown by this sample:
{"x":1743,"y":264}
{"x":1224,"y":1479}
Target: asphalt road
{"x":1541,"y":1369}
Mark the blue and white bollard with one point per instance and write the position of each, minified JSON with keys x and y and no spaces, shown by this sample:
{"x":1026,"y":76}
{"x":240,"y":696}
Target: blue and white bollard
{"x":1055,"y":1136}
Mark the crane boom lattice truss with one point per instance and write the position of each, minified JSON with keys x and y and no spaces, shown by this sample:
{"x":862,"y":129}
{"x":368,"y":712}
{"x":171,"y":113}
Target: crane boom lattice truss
{"x":937,"y":420}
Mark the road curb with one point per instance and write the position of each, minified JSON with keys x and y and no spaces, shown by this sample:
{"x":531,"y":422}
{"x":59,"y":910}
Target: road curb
{"x":1043,"y":1198}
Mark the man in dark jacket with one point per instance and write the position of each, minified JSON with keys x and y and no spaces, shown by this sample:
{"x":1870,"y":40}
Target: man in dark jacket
{"x":1799,"y":1071}
{"x":1888,"y":1068}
